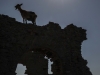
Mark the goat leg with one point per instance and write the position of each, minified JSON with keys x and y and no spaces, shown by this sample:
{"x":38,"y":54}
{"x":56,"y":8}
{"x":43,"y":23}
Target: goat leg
{"x":23,"y":20}
{"x":26,"y":21}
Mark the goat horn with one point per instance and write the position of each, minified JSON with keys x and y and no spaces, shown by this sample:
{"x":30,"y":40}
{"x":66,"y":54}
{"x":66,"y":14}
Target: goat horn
{"x":21,"y":4}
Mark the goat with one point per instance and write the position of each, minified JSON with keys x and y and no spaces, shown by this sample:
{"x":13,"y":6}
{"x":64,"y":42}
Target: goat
{"x":26,"y":15}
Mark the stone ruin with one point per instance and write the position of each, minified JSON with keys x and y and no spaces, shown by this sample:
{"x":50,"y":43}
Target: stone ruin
{"x":28,"y":44}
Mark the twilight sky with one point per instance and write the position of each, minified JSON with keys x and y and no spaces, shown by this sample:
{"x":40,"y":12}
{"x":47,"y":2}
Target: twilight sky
{"x":82,"y":13}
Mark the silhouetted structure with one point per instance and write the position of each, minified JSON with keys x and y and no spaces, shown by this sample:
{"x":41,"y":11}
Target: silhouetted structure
{"x":63,"y":46}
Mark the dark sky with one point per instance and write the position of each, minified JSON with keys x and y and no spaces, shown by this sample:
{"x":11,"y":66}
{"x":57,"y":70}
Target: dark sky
{"x":82,"y":13}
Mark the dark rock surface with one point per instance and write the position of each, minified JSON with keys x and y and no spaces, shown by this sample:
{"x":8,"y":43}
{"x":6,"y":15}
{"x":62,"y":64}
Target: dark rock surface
{"x":63,"y":46}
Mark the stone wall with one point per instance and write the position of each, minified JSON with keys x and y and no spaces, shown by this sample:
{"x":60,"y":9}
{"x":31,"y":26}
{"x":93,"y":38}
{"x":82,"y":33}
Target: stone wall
{"x":63,"y":46}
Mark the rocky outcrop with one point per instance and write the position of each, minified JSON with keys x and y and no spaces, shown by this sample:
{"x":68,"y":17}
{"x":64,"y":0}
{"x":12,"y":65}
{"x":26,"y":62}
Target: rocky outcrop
{"x":63,"y":46}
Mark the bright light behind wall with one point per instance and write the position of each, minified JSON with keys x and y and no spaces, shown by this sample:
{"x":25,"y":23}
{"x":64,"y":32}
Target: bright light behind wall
{"x":20,"y":70}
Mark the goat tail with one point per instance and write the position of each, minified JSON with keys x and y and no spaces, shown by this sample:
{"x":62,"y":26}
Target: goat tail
{"x":35,"y":15}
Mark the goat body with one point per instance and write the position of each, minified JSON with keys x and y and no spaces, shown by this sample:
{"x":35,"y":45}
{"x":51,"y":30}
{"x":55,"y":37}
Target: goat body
{"x":32,"y":17}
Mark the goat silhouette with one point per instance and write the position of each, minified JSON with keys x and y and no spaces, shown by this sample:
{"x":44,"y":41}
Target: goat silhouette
{"x":26,"y":15}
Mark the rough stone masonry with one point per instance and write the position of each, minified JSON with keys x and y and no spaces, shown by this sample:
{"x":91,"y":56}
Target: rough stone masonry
{"x":28,"y":44}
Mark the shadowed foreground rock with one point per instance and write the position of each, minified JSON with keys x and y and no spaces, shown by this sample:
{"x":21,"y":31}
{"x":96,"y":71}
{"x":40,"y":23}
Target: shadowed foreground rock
{"x":28,"y":44}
